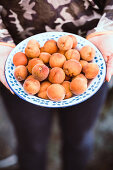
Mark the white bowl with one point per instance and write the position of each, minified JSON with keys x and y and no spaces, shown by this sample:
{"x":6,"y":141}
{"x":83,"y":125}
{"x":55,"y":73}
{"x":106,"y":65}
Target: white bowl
{"x":17,"y":87}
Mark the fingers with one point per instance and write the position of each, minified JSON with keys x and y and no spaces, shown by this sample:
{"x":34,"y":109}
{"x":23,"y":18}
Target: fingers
{"x":109,"y":68}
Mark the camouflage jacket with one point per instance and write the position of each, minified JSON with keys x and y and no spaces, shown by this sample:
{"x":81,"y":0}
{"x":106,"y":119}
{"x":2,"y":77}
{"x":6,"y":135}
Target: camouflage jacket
{"x":20,"y":19}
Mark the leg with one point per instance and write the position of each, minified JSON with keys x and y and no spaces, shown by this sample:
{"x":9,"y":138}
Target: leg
{"x":77,"y":124}
{"x":32,"y":125}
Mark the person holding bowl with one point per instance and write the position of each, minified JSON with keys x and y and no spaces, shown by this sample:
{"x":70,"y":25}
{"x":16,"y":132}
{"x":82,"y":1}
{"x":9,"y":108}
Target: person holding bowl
{"x":23,"y":18}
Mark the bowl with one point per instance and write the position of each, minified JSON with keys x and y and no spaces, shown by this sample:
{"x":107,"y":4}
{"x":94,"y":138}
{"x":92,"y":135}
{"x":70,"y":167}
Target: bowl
{"x":93,"y":85}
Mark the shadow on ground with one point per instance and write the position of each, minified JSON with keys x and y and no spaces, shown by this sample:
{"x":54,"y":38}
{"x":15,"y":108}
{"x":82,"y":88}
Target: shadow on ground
{"x":103,"y":146}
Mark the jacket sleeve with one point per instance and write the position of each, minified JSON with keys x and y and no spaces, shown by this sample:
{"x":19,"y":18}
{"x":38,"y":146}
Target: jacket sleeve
{"x":4,"y":34}
{"x":108,"y":9}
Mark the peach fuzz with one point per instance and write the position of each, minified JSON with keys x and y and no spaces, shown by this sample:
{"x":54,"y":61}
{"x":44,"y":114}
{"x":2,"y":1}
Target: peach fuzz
{"x":72,"y":54}
{"x":44,"y":56}
{"x":87,"y":53}
{"x":91,"y":70}
{"x":57,"y":60}
{"x":32,"y":63}
{"x":32,"y":49}
{"x":56,"y":92}
{"x":66,"y":85}
{"x":78,"y":86}
{"x":65,"y":43}
{"x":50,"y":46}
{"x":43,"y":90}
{"x":72,"y":67}
{"x":31,"y":86}
{"x":40,"y":72}
{"x":74,"y":41}
{"x":56,"y":75}
{"x":20,"y":73}
{"x":20,"y":59}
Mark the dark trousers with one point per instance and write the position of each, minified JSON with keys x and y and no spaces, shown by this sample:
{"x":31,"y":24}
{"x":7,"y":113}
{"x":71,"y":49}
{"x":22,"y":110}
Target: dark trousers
{"x":32,"y":125}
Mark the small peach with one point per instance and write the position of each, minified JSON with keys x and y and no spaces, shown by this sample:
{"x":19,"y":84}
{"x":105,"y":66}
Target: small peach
{"x":91,"y":70}
{"x":87,"y":53}
{"x":32,"y":49}
{"x":44,"y":56}
{"x":78,"y":86}
{"x":57,"y":60}
{"x":40,"y":72}
{"x":65,"y":43}
{"x":31,"y":86}
{"x":50,"y":46}
{"x":72,"y":54}
{"x":56,"y":75}
{"x":56,"y":92}
{"x":72,"y":67}
{"x":20,"y":73}
{"x":20,"y":59}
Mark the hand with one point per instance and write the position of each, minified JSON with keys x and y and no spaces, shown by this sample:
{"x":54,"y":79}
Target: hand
{"x":4,"y":52}
{"x":105,"y":44}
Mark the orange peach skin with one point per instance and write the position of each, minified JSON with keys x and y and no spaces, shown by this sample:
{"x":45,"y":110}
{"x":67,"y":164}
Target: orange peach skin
{"x":65,"y":43}
{"x":87,"y":53}
{"x":74,"y":41}
{"x":20,"y":73}
{"x":66,"y":85}
{"x":31,"y":86}
{"x":78,"y":86}
{"x":72,"y":67}
{"x":32,"y":49}
{"x":50,"y":47}
{"x":57,"y":60}
{"x":43,"y":89}
{"x":32,"y":63}
{"x":44,"y":56}
{"x":72,"y":54}
{"x":56,"y":92}
{"x":91,"y":70}
{"x":56,"y":75}
{"x":40,"y":72}
{"x":20,"y":59}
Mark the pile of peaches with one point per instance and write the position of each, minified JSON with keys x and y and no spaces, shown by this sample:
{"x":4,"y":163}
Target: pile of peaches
{"x":57,"y":70}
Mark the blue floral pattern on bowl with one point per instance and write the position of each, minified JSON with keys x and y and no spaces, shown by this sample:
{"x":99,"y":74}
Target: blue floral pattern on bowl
{"x":93,"y":85}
